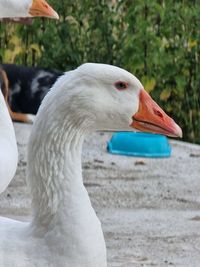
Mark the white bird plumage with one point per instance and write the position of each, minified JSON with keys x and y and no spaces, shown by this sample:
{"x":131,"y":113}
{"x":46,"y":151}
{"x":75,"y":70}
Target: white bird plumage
{"x":65,"y":230}
{"x":8,"y":146}
{"x":26,"y":8}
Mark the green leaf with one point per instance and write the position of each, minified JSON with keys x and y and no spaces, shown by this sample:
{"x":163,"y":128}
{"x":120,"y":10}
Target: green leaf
{"x":165,"y":94}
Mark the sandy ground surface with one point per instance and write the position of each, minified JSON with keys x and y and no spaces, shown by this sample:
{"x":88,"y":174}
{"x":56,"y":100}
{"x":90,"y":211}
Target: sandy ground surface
{"x":149,"y":208}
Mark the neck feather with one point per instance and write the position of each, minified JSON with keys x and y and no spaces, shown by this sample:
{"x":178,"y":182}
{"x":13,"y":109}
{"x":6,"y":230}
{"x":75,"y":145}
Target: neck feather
{"x":5,"y":120}
{"x":62,"y":211}
{"x":14,"y":8}
{"x":54,"y":165}
{"x":8,"y":146}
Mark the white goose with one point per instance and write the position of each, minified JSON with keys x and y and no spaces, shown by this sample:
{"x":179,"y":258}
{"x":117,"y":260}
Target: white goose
{"x":65,"y":231}
{"x":26,"y":8}
{"x":8,"y":147}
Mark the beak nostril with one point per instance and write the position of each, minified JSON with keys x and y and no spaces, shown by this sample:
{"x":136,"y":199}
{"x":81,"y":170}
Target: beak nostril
{"x":45,"y":5}
{"x":158,"y":113}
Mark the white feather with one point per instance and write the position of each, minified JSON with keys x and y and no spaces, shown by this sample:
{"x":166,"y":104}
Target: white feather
{"x":14,"y":8}
{"x":8,"y":146}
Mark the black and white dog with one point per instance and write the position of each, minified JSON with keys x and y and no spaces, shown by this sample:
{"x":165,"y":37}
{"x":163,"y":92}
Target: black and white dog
{"x":27,"y":87}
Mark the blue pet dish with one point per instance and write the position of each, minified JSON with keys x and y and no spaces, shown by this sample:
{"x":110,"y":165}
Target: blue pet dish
{"x":139,"y":145}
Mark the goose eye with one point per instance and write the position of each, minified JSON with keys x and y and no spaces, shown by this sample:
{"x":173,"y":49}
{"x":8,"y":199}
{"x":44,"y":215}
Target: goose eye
{"x":121,"y":85}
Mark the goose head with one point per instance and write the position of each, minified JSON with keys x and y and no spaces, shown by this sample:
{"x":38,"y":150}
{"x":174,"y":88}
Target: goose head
{"x":26,"y":8}
{"x":111,"y":98}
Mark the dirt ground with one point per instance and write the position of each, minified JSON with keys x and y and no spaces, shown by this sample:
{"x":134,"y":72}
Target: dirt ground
{"x":149,"y":208}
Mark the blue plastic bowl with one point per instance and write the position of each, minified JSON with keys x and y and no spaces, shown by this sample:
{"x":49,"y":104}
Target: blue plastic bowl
{"x":139,"y":145}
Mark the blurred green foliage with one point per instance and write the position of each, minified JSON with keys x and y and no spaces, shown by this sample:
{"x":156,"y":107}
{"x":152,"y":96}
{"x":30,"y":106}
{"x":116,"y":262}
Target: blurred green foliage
{"x":158,"y":41}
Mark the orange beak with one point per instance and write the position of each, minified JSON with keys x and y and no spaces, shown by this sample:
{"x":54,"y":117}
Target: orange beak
{"x":40,"y":8}
{"x":151,"y":118}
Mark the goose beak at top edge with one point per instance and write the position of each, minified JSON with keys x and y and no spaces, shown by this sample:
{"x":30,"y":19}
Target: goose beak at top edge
{"x":40,"y":8}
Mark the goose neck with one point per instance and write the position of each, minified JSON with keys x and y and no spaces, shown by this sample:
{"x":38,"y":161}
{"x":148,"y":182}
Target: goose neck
{"x":8,"y":146}
{"x":56,"y":185}
{"x":5,"y":120}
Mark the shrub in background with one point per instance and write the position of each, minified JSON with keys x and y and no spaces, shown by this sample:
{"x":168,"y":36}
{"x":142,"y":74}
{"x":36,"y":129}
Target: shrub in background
{"x":156,"y":40}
